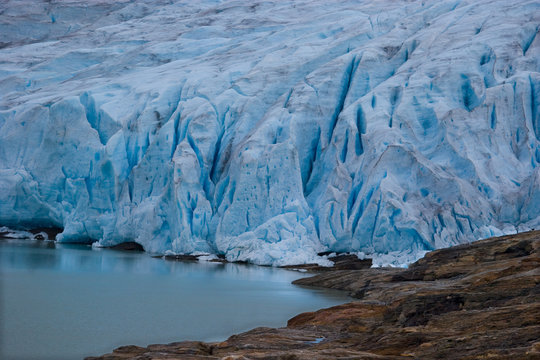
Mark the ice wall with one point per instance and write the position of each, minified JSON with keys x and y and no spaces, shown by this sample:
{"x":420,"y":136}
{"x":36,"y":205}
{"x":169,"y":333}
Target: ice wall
{"x":271,"y":131}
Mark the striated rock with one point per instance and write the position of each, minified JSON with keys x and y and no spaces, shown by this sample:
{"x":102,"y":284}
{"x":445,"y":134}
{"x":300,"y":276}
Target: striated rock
{"x":472,"y":301}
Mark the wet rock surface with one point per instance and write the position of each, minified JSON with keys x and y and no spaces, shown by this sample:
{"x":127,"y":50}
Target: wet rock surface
{"x":472,"y":301}
{"x":128,"y":246}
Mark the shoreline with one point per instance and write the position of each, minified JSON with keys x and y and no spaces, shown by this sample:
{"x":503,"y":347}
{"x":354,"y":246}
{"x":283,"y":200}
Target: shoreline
{"x":341,"y":261}
{"x":468,"y":301}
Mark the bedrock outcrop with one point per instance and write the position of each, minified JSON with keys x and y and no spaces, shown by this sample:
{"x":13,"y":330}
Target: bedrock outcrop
{"x":474,"y":301}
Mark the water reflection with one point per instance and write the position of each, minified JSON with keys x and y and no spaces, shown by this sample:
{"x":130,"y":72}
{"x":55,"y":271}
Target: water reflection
{"x":75,"y":258}
{"x":70,"y":301}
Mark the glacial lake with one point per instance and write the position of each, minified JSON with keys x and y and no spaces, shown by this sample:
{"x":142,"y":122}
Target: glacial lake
{"x":62,"y":301}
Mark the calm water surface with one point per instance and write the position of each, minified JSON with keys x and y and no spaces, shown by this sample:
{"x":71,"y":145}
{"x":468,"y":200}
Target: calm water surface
{"x":69,"y":301}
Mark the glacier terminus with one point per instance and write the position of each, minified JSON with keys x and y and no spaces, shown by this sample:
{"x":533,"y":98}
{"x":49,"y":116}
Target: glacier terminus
{"x":271,"y":131}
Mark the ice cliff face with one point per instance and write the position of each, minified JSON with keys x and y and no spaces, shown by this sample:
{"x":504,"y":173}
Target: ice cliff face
{"x":271,"y":131}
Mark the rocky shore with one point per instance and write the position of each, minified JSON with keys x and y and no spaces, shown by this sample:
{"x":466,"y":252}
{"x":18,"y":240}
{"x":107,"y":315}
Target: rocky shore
{"x":477,"y":301}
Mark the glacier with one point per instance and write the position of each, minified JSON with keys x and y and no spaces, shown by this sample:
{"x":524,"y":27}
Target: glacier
{"x":271,"y":131}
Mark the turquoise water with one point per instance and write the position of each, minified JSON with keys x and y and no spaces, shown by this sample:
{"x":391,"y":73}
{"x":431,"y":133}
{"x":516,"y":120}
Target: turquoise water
{"x":72,"y":301}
